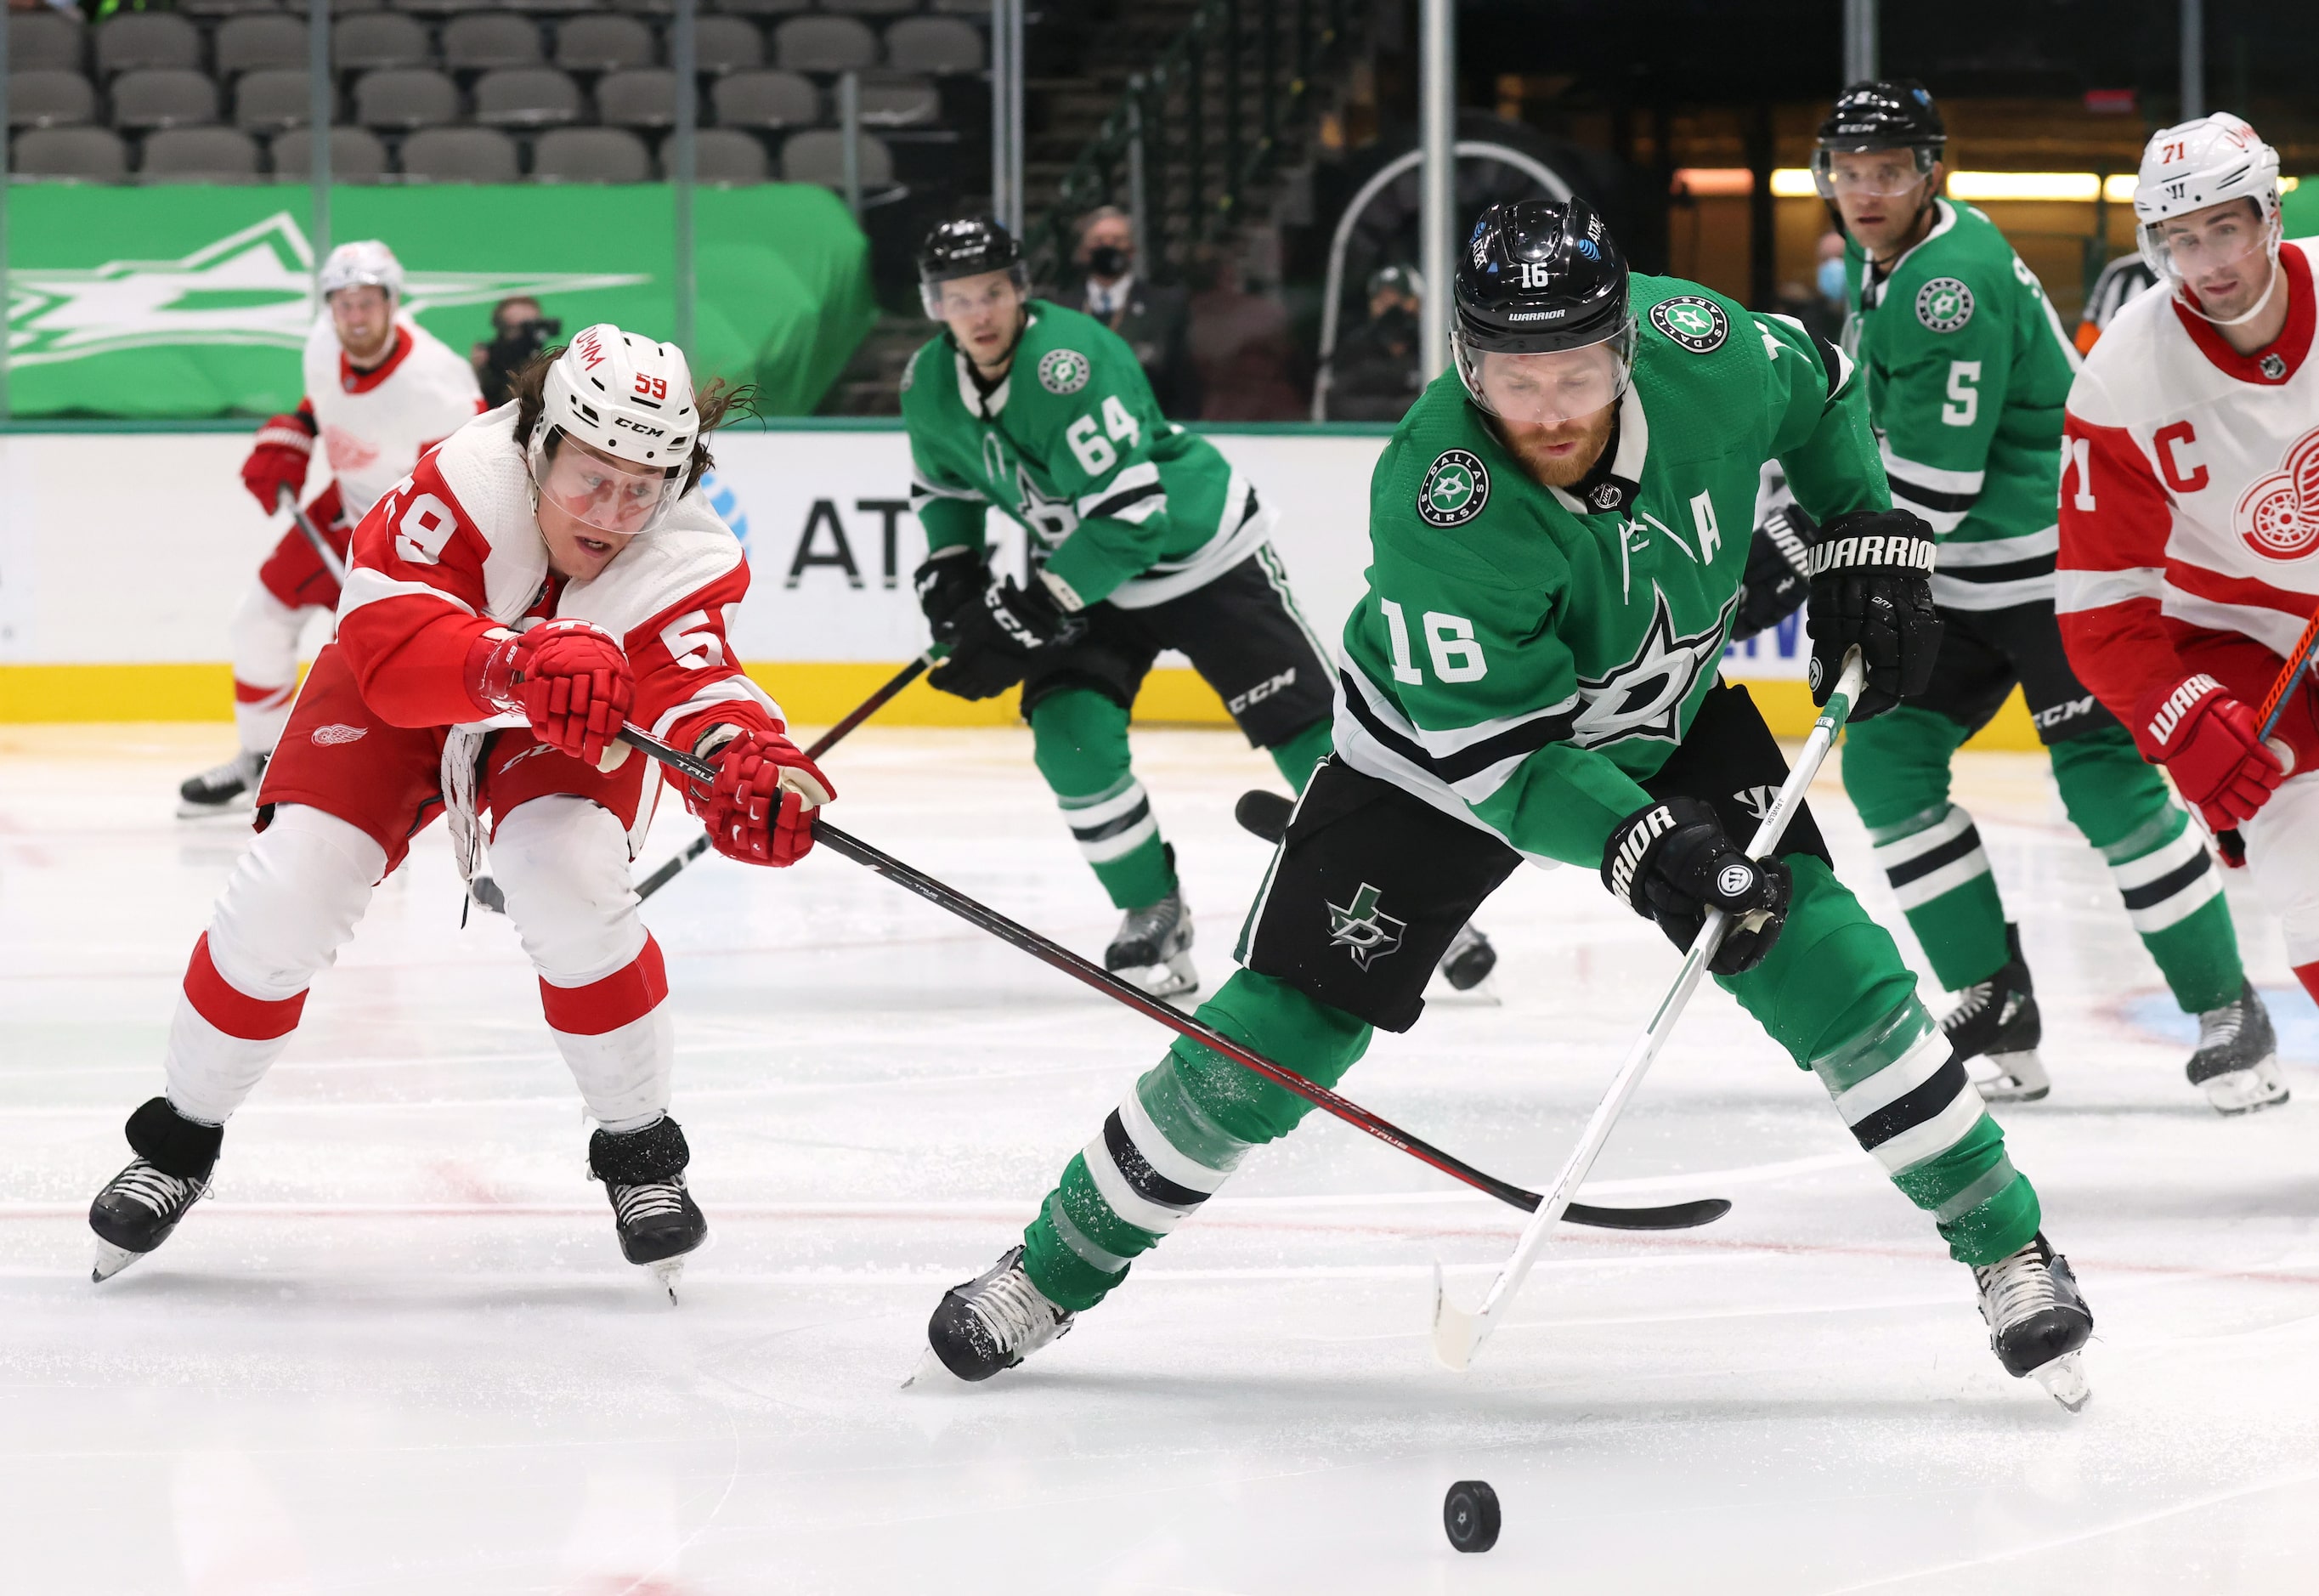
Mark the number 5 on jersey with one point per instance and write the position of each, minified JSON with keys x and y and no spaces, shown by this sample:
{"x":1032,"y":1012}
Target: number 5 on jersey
{"x":1449,"y":639}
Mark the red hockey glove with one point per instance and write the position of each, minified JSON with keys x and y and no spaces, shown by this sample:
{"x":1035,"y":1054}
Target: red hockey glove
{"x":567,"y":677}
{"x":2208,"y":742}
{"x":760,"y":810}
{"x":278,"y":461}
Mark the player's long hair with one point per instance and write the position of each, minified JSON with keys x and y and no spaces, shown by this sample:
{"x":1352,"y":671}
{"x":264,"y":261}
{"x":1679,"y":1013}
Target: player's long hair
{"x":719,"y":403}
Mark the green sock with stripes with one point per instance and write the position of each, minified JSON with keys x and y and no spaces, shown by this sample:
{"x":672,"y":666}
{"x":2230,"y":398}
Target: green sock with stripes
{"x":1079,"y":739}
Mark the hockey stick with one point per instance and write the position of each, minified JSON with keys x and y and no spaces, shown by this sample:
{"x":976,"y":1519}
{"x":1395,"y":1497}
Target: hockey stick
{"x":821,"y":746}
{"x":1457,"y":1334}
{"x":322,"y":549}
{"x":1675,"y":1216}
{"x":2274,"y":702}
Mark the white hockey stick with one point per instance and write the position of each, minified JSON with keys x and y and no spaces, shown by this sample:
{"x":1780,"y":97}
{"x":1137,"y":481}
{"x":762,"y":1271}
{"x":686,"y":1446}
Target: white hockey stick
{"x":1457,"y":1334}
{"x":322,"y":549}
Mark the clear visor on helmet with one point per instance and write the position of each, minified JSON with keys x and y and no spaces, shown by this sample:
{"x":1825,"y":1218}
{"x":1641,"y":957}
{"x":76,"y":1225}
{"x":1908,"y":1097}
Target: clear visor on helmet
{"x":994,"y":293}
{"x":1550,"y":389}
{"x":1883,"y":172}
{"x":598,"y":490}
{"x":2206,"y":243}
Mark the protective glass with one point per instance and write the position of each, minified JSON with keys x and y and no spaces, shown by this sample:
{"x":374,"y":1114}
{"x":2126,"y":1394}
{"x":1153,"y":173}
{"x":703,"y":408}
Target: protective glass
{"x":1548,"y":390}
{"x":600,"y":491}
{"x":2185,"y":248}
{"x":1883,"y":172}
{"x":985,"y":291}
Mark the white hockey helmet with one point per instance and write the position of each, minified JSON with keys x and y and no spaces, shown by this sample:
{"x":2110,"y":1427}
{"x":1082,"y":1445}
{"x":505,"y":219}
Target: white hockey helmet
{"x":364,"y":262}
{"x":629,"y":401}
{"x":2193,"y":165}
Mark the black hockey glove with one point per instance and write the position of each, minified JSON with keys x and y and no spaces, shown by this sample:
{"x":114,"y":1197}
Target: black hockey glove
{"x":998,"y":636}
{"x":1872,"y":589}
{"x":1774,"y":585}
{"x":1673,"y":862}
{"x":951,"y":579}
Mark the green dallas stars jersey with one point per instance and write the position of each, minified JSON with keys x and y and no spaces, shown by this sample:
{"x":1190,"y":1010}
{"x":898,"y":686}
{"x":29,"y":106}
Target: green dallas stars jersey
{"x":1119,"y":502}
{"x":1967,"y":368}
{"x":1522,"y":657}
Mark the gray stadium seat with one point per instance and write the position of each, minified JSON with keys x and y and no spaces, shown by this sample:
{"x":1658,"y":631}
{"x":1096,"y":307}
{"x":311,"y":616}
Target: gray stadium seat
{"x":941,"y":45}
{"x":257,"y":43}
{"x":51,"y":99}
{"x":46,"y":41}
{"x":405,"y":97}
{"x":270,"y":100}
{"x":645,"y":8}
{"x":899,"y":102}
{"x":723,"y":156}
{"x":869,"y":7}
{"x":374,"y":40}
{"x":762,"y":7}
{"x":591,"y":155}
{"x":482,"y":40}
{"x":644,"y":97}
{"x":460,"y":155}
{"x":528,"y":97}
{"x":819,"y":156}
{"x":962,"y":7}
{"x":212,"y":10}
{"x":356,"y":156}
{"x":727,"y":44}
{"x":603,"y":44}
{"x":338,"y":8}
{"x":163,"y":97}
{"x":199,"y":155}
{"x":766,"y":99}
{"x":554,"y":7}
{"x":135,"y":39}
{"x":824,"y":44}
{"x":87,"y":155}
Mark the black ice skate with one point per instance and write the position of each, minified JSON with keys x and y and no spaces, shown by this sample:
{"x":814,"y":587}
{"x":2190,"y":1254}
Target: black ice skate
{"x":139,"y":1206}
{"x":2036,"y":1320}
{"x":643,"y":1172}
{"x":222,"y":790}
{"x":2237,"y":1061}
{"x":1996,"y":1020}
{"x":1153,"y":946}
{"x":989,"y":1323}
{"x":1469,"y":960}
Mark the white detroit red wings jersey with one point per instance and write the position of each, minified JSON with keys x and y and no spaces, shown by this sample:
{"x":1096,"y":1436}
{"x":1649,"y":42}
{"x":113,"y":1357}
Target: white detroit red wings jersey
{"x":373,"y":424}
{"x":452,"y":552}
{"x":2189,"y":492}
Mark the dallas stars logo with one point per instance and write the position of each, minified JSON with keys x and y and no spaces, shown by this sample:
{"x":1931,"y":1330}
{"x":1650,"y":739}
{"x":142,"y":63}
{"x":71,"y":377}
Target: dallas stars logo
{"x":1457,"y":486}
{"x":1943,"y":304}
{"x":1064,"y":371}
{"x":1698,"y":324}
{"x":1644,"y":697}
{"x":1359,"y":929}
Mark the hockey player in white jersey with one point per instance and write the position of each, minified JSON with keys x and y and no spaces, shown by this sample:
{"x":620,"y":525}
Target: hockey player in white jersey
{"x":2189,"y":514}
{"x":379,"y":389}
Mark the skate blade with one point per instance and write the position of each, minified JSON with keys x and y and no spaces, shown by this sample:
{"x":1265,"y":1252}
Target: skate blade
{"x":231,"y":809}
{"x":931,"y":1375}
{"x":2064,"y":1380}
{"x":1456,"y":1332}
{"x":2018,"y":1077}
{"x":110,"y":1261}
{"x":1175,"y":979}
{"x":668,"y":1271}
{"x":2246,"y":1091}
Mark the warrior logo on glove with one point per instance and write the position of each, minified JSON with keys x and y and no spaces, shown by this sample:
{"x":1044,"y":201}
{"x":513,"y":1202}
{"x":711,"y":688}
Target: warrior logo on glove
{"x":1673,"y":862}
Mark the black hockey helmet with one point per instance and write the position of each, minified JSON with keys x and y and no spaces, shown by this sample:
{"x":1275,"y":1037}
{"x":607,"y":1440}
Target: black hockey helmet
{"x":1541,"y":277}
{"x":967,"y":247}
{"x":1890,"y":113}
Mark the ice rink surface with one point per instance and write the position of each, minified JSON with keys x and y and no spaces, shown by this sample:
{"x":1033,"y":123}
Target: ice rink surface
{"x":399,"y":1352}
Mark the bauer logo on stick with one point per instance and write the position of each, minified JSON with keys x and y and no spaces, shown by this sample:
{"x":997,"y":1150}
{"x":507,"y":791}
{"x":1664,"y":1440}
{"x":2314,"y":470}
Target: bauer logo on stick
{"x":1697,"y":323}
{"x":1457,"y":486}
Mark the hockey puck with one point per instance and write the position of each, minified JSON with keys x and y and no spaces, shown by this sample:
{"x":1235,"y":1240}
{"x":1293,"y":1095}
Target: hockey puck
{"x":1469,"y":1513}
{"x":1263,"y":814}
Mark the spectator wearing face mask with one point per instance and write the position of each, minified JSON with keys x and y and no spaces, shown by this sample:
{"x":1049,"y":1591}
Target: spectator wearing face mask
{"x":1153,"y":319}
{"x":1375,"y":373}
{"x":520,"y":331}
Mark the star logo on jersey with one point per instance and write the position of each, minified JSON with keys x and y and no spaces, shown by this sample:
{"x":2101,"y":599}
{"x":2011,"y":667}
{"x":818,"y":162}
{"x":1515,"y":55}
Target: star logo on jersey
{"x":2278,"y":517}
{"x":1064,"y":371}
{"x":253,"y":286}
{"x":1943,"y":304}
{"x":1361,"y":931}
{"x":1697,"y":323}
{"x":1644,"y":697}
{"x":1457,"y":486}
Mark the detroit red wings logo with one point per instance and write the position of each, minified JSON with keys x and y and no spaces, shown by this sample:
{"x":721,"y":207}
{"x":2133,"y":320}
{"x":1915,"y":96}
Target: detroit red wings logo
{"x":2279,"y":516}
{"x":346,"y":452}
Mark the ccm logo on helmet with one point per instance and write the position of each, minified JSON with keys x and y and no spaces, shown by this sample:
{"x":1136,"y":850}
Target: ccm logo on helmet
{"x":635,"y":426}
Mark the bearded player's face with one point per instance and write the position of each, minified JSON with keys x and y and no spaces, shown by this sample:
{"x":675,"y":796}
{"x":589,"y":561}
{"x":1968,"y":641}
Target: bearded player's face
{"x":1554,"y":411}
{"x":364,"y":318}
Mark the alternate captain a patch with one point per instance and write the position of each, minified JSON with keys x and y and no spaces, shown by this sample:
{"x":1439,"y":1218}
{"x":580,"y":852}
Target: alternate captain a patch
{"x":1361,"y":931}
{"x":1693,"y":320}
{"x":1456,"y":487}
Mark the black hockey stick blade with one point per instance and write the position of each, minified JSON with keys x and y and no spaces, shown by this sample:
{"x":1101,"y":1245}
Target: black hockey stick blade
{"x":1675,"y":1216}
{"x":1263,"y":814}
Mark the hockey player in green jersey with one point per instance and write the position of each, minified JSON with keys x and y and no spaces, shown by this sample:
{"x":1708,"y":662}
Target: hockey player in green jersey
{"x":1532,"y":676}
{"x":1966,"y":367}
{"x":1143,"y":537}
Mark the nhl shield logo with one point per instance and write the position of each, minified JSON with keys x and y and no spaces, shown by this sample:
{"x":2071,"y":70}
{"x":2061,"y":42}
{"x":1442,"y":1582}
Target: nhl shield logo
{"x":1457,"y":486}
{"x":1605,"y":496}
{"x":1943,"y":304}
{"x":2272,"y":365}
{"x":1697,"y":323}
{"x":1064,"y":371}
{"x":1362,"y":932}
